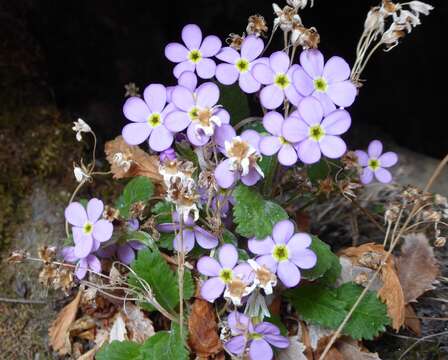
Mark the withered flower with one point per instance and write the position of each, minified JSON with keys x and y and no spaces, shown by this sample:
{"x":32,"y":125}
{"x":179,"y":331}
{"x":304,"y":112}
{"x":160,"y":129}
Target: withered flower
{"x":257,"y":26}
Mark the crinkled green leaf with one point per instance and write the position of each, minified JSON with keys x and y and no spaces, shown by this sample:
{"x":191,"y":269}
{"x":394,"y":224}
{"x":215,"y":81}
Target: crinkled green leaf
{"x":138,"y":189}
{"x":328,"y":307}
{"x":327,"y":265}
{"x":119,"y":350}
{"x":370,"y":316}
{"x":317,"y":304}
{"x":254,"y":215}
{"x":152,"y":267}
{"x":165,"y":345}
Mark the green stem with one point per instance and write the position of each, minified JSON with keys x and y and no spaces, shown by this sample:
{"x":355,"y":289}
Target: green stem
{"x":268,"y":188}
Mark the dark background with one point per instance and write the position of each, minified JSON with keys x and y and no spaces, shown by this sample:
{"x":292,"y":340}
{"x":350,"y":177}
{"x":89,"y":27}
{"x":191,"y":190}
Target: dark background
{"x":92,"y":48}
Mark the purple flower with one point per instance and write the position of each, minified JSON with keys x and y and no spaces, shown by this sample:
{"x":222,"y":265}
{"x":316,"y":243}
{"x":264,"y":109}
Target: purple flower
{"x":278,"y":78}
{"x":124,"y":252}
{"x":148,"y":119}
{"x":187,"y":79}
{"x":269,"y":145}
{"x":259,"y":338}
{"x":329,"y":83}
{"x":197,"y":111}
{"x":88,"y":229}
{"x":190,"y":233}
{"x":284,"y":252}
{"x":374,"y":163}
{"x":314,"y":133}
{"x":224,"y":274}
{"x":242,"y":154}
{"x":90,"y":262}
{"x":238,"y":66}
{"x":167,"y":155}
{"x":196,"y":54}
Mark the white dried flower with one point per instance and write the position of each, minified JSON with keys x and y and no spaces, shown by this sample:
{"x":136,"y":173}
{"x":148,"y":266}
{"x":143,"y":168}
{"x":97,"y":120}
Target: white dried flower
{"x":420,"y":7}
{"x":131,"y":90}
{"x":79,"y":127}
{"x":299,"y":4}
{"x":286,"y":17}
{"x":80,"y":174}
{"x":392,"y":35}
{"x":264,"y":278}
{"x":242,"y":156}
{"x":121,"y":161}
{"x":375,"y":21}
{"x":408,"y":19}
{"x":236,"y":289}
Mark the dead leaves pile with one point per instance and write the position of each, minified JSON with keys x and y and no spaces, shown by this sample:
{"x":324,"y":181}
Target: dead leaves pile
{"x":402,"y":279}
{"x":71,"y":334}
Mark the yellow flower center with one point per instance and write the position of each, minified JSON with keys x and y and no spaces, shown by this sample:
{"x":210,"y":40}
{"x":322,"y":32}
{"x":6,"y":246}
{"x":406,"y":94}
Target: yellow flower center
{"x":193,"y":113}
{"x":87,"y":228}
{"x":282,"y":81}
{"x":242,"y":65}
{"x":154,"y":120}
{"x":280,"y":253}
{"x":226,"y":275}
{"x":282,"y":140}
{"x":316,"y":132}
{"x":320,"y":84}
{"x":194,"y":56}
{"x":374,"y":164}
{"x":255,"y":336}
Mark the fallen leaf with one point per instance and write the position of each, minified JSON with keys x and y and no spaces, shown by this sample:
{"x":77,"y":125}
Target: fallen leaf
{"x":411,"y":322}
{"x":351,"y":350}
{"x":100,"y":339}
{"x":118,"y":330}
{"x":59,"y":330}
{"x":203,"y":330}
{"x":315,"y":338}
{"x":82,"y":324}
{"x":417,"y":266}
{"x":295,"y":350}
{"x":138,"y":325}
{"x":139,"y":163}
{"x":371,"y":256}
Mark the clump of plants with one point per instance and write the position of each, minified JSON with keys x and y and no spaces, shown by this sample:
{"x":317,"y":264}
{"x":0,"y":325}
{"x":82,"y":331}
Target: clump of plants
{"x":204,"y":254}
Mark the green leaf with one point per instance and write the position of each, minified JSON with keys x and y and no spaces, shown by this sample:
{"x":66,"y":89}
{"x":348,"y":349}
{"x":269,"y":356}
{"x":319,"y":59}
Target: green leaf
{"x":318,"y":304}
{"x":318,"y":171}
{"x":229,"y":237}
{"x":328,"y":307}
{"x":327,"y":262}
{"x":235,"y":102}
{"x":370,"y":316}
{"x":138,"y":189}
{"x":163,"y":210}
{"x":165,"y":345}
{"x":119,"y":350}
{"x":152,"y":267}
{"x":254,"y":215}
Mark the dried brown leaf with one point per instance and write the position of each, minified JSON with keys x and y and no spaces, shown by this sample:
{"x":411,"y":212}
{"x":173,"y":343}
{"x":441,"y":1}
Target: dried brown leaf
{"x":295,"y":350}
{"x":138,"y":325}
{"x":411,"y":322}
{"x":59,"y":330}
{"x":351,"y":350}
{"x":203,"y":338}
{"x":370,"y":256}
{"x":139,"y":163}
{"x":417,"y":266}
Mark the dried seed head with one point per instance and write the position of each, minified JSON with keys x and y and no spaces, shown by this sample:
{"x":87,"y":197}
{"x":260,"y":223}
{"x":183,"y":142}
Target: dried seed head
{"x":137,"y":210}
{"x":391,"y":213}
{"x":257,"y":26}
{"x":350,"y":161}
{"x":307,"y":38}
{"x":371,"y":259}
{"x":326,"y":186}
{"x":131,"y":90}
{"x":17,"y":256}
{"x":440,"y":200}
{"x":111,"y":213}
{"x":47,"y":253}
{"x":440,"y":241}
{"x":431,"y":215}
{"x":235,"y":41}
{"x":361,"y":279}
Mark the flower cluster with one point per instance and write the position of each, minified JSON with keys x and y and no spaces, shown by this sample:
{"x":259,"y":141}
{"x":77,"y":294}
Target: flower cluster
{"x":202,"y":158}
